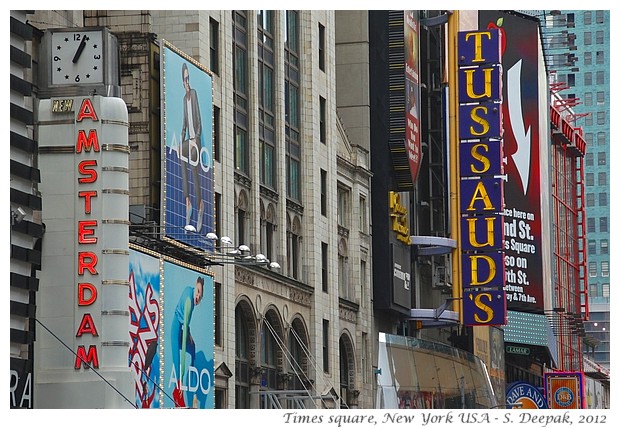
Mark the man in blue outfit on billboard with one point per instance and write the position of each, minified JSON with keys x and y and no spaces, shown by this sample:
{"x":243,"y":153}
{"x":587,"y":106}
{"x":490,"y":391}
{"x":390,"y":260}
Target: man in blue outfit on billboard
{"x":181,"y":337}
{"x":191,"y":145}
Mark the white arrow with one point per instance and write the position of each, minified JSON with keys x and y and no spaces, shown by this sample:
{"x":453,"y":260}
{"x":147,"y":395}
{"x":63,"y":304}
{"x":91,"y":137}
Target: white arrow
{"x":522,"y":155}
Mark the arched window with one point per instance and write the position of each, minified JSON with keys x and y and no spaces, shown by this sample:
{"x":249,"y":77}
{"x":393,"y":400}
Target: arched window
{"x":242,"y":363}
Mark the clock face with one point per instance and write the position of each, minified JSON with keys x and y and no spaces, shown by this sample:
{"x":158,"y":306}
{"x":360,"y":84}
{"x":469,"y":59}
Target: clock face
{"x":77,"y":57}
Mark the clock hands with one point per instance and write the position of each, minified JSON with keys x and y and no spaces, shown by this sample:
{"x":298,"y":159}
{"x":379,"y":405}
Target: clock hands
{"x":80,"y":48}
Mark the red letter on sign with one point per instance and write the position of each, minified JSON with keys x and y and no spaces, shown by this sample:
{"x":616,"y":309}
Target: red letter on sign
{"x":90,"y":173}
{"x":87,"y":195}
{"x":86,"y":111}
{"x":88,"y":261}
{"x":92,"y":141}
{"x":82,"y":287}
{"x":87,"y":326}
{"x":85,"y":230}
{"x":90,"y":358}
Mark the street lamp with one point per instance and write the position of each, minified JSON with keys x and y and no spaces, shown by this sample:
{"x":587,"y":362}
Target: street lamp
{"x":228,"y":253}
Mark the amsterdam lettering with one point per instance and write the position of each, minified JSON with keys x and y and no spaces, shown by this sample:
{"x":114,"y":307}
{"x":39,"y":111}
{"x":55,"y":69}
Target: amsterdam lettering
{"x":87,"y":146}
{"x":481,"y":180}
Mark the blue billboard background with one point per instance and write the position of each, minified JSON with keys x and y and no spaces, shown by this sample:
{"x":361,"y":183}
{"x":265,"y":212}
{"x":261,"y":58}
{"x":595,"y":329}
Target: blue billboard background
{"x":189,"y":339}
{"x":188,"y":159}
{"x":144,"y":327}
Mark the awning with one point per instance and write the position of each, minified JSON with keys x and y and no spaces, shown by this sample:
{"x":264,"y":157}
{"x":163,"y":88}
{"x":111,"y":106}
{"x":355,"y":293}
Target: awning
{"x":533,"y":329}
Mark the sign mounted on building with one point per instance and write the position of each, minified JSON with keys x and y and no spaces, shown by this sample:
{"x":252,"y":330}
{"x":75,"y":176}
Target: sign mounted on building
{"x":84,"y":152}
{"x":481,"y":182}
{"x":524,"y":190}
{"x":188,"y":196}
{"x":565,"y":390}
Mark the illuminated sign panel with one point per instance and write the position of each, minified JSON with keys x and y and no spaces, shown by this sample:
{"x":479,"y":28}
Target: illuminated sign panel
{"x":524,"y":164}
{"x":144,"y":326}
{"x":187,"y":122}
{"x":187,"y":338}
{"x":481,"y":184}
{"x":87,"y":149}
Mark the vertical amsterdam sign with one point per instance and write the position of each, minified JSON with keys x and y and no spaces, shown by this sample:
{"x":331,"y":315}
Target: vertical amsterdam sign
{"x":481,"y":180}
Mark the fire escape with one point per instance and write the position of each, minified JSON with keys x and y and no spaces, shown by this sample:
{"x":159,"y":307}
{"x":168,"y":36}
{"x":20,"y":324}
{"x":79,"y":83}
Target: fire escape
{"x":568,"y":147}
{"x":570,"y":247}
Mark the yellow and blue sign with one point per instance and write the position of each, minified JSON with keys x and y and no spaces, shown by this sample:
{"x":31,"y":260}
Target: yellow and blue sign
{"x":481,"y":181}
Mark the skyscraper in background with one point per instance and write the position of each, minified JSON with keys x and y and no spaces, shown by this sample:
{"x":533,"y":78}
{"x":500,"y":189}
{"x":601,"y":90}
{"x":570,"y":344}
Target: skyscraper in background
{"x":578,"y":44}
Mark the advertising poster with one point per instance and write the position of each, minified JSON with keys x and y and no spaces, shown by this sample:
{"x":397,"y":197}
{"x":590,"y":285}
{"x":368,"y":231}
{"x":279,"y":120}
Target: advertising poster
{"x":412,"y":89}
{"x":522,"y":191}
{"x":188,"y":338}
{"x":565,"y":390}
{"x":144,"y":327}
{"x":187,"y":122}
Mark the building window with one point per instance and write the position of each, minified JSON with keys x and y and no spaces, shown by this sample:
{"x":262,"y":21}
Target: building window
{"x":592,"y":270}
{"x":218,"y":214}
{"x":587,"y":17}
{"x":214,"y":45}
{"x":599,"y":17}
{"x":593,"y":290}
{"x":571,"y":80}
{"x":589,"y":179}
{"x":587,"y":58}
{"x":292,"y":105}
{"x":324,"y":265}
{"x":600,"y":57}
{"x":600,"y":138}
{"x":600,"y":118}
{"x":344,"y":211}
{"x":266,"y":115}
{"x":602,"y":224}
{"x":589,"y":159}
{"x":241,"y":237}
{"x":587,"y":99}
{"x":216,"y":134}
{"x":589,"y":137}
{"x":363,"y":283}
{"x":321,"y":47}
{"x":589,"y":199}
{"x":587,"y":78}
{"x":242,"y":363}
{"x":324,"y":192}
{"x":363,"y":215}
{"x":604,"y":247}
{"x":589,"y":120}
{"x":600,"y":77}
{"x":591,"y":247}
{"x":241,"y":150}
{"x":605,"y":268}
{"x":602,"y":158}
{"x":600,"y":98}
{"x":217,"y":314}
{"x":602,"y":199}
{"x":325,"y":345}
{"x":602,"y":178}
{"x":240,"y":83}
{"x":600,"y":38}
{"x":591,"y":225}
{"x":268,"y":357}
{"x":343,"y":276}
{"x":365,"y":367}
{"x":605,"y":290}
{"x":293,"y":246}
{"x":587,"y":38}
{"x":322,"y":120}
